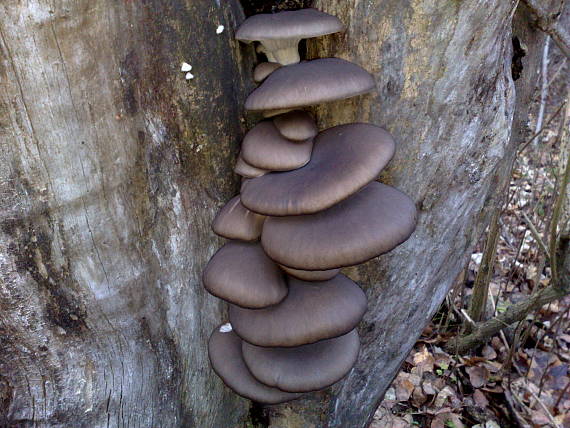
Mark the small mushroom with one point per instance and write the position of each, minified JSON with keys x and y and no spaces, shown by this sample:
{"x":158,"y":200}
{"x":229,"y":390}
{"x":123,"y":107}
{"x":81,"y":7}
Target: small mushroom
{"x":367,"y":224}
{"x":224,"y":351}
{"x":344,"y":159}
{"x":310,"y":83}
{"x":264,"y":69}
{"x":296,"y":125}
{"x":246,"y":170}
{"x":312,"y":311}
{"x":280,"y":33}
{"x":303,"y":368}
{"x":242,"y":274}
{"x":265,"y":148}
{"x":311,"y":275}
{"x":234,"y":221}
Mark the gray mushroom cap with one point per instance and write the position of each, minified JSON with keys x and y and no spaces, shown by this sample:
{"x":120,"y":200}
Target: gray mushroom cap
{"x":265,"y":148}
{"x":369,"y":223}
{"x":234,"y":221}
{"x":246,"y":170}
{"x":264,"y":69}
{"x":242,"y":274}
{"x":303,"y":368}
{"x":296,"y":125}
{"x":280,"y":33}
{"x":345,"y":158}
{"x":312,"y":311}
{"x":224,"y":351}
{"x":309,"y":83}
{"x":311,"y":275}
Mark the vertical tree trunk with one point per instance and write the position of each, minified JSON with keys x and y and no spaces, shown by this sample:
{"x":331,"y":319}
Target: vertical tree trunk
{"x":445,"y":90}
{"x":112,"y":166}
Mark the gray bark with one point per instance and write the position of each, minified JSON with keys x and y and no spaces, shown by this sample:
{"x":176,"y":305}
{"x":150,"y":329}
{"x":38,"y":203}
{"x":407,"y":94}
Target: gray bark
{"x":113,"y":166}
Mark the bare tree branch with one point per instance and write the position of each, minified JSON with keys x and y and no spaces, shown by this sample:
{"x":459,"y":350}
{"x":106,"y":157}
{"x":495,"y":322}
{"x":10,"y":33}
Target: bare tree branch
{"x":514,"y":313}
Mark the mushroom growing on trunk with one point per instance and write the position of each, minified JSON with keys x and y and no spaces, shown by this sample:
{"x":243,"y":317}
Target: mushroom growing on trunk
{"x":312,"y":200}
{"x":280,"y":33}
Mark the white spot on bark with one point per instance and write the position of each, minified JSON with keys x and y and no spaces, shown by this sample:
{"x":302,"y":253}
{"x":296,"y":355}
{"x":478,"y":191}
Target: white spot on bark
{"x":226,"y":328}
{"x":220,"y":29}
{"x":186,"y":67}
{"x":189,"y":76}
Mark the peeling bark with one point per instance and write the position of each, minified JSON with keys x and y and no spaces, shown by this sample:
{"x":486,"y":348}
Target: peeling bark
{"x":113,"y":167}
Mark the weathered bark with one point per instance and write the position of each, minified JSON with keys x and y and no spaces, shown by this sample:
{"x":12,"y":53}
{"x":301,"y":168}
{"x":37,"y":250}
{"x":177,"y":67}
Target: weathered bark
{"x":445,"y":91}
{"x":113,"y":166}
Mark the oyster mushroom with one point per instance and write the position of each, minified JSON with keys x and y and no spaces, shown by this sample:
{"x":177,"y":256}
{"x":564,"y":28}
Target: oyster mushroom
{"x":234,"y":221}
{"x":303,"y":368}
{"x":246,"y":170}
{"x":369,"y":223}
{"x":224,"y":351}
{"x":242,"y":274}
{"x":296,"y":125}
{"x":309,"y":83}
{"x":265,"y":148}
{"x":264,"y":69}
{"x":312,"y":311}
{"x":280,"y":33}
{"x":344,"y":159}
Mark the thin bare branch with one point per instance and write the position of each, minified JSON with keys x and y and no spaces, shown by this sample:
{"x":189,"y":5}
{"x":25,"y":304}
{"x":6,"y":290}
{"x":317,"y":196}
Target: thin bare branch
{"x":535,"y":234}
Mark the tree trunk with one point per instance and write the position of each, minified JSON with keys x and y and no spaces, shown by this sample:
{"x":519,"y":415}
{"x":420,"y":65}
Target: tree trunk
{"x":113,"y":166}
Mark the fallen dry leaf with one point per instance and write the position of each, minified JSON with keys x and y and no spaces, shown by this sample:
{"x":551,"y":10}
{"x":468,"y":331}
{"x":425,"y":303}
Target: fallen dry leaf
{"x":480,"y":399}
{"x":418,"y":397}
{"x":423,"y":360}
{"x":489,"y":353}
{"x":447,"y":420}
{"x":404,"y":389}
{"x":478,"y":376}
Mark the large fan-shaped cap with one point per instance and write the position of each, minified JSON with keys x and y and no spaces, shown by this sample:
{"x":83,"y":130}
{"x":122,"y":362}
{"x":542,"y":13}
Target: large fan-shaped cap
{"x":369,"y":223}
{"x":242,"y":274}
{"x":295,"y":24}
{"x":224,"y":350}
{"x":309,"y":83}
{"x":234,"y":221}
{"x":344,"y":159}
{"x":297,"y":125}
{"x":279,"y":33}
{"x":311,"y":275}
{"x":303,"y":368}
{"x":312,"y":311}
{"x":265,"y":148}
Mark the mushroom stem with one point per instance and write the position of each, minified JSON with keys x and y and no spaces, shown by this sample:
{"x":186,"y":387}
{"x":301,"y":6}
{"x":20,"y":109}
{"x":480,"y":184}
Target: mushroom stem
{"x":284,"y":52}
{"x":271,"y":113}
{"x":287,"y":56}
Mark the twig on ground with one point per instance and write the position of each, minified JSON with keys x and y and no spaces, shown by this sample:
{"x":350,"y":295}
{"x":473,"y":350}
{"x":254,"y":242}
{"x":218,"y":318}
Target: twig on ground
{"x":535,"y":234}
{"x":514,"y":313}
{"x":542,"y":406}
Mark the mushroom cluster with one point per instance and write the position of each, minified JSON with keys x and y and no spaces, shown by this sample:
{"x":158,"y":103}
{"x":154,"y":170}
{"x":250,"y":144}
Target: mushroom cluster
{"x":309,"y":205}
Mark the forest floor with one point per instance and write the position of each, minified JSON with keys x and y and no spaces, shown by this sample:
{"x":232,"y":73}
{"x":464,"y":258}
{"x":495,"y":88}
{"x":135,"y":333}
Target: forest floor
{"x":521,"y":377}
